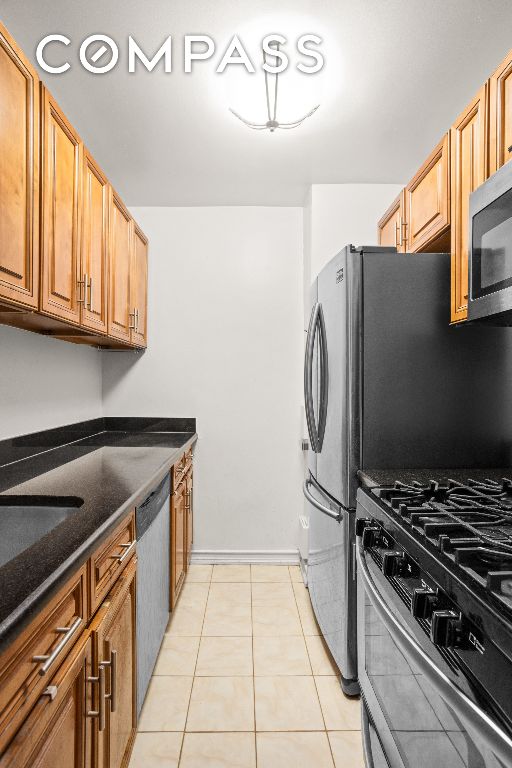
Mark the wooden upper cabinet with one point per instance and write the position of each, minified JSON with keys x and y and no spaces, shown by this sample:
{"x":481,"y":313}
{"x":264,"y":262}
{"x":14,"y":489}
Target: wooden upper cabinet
{"x":61,"y":289}
{"x":391,"y":227}
{"x":120,"y":312}
{"x":468,"y":170}
{"x":139,"y":287}
{"x":500,"y":115}
{"x":94,"y":252}
{"x":19,"y":176}
{"x":427,"y":199}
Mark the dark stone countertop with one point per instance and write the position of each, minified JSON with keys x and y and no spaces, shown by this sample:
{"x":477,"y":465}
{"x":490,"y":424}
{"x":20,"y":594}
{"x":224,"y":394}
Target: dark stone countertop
{"x":372,"y":478}
{"x":112,"y":465}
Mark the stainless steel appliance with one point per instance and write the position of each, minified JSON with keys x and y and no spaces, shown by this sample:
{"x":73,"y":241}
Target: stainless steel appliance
{"x":389,"y":384}
{"x":153,"y":571}
{"x":434,"y":621}
{"x":490,"y":250}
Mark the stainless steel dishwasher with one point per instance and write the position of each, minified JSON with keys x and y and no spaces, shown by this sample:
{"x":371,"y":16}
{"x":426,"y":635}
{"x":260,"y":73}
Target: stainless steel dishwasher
{"x":153,"y":545}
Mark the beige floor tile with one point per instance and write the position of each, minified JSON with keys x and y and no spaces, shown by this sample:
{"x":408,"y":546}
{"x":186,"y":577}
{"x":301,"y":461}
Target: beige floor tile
{"x":270,"y":573}
{"x":287,"y":704}
{"x":267,"y":594}
{"x":231,"y":573}
{"x":321,"y":660}
{"x":186,"y":620}
{"x":218,"y":750}
{"x":221,"y":704}
{"x":347,"y":749}
{"x":300,"y":750}
{"x":194,"y":594}
{"x":280,"y":656}
{"x":177,"y":656}
{"x":276,"y":620}
{"x":165,"y":707}
{"x":295,"y":574}
{"x":237,"y":593}
{"x":199,"y":573}
{"x":219,"y":656}
{"x":228,"y":621}
{"x":341,"y":713}
{"x":156,"y":750}
{"x":308,"y":620}
{"x":301,"y":592}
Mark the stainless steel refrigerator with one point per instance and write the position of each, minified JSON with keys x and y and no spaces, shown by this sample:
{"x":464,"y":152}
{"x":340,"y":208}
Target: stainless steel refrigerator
{"x":389,"y":385}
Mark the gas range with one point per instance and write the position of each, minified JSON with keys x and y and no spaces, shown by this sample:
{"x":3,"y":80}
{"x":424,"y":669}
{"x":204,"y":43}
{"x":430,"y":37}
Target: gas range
{"x":469,"y":523}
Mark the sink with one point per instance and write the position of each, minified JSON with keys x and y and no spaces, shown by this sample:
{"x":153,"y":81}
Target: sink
{"x":26,"y":519}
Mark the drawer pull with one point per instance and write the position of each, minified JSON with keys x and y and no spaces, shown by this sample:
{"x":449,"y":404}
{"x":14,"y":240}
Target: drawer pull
{"x":100,"y":712}
{"x":127,"y":549}
{"x":50,"y":691}
{"x":49,"y":659}
{"x":112,"y":696}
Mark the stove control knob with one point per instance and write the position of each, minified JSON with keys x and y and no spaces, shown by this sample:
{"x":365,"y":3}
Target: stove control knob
{"x":445,"y":629}
{"x":361,"y":524}
{"x":370,"y":536}
{"x":393,"y":563}
{"x":423,"y":603}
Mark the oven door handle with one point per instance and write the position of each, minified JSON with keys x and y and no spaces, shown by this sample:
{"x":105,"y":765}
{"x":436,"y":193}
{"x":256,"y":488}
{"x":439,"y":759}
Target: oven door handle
{"x":338,"y":516}
{"x":497,"y":740}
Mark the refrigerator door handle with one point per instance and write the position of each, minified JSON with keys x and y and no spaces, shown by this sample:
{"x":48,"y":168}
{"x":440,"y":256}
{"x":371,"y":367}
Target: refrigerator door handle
{"x":338,"y":516}
{"x":324,"y":378}
{"x":308,"y":378}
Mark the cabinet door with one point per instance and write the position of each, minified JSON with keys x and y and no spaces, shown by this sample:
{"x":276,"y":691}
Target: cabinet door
{"x":178,"y":541}
{"x":61,"y":196}
{"x":94,"y":247}
{"x":468,"y":171}
{"x":57,"y":731}
{"x":19,"y":175}
{"x":392,"y":225}
{"x":427,"y":199}
{"x":114,"y":634}
{"x":500,"y":115}
{"x":190,"y":514}
{"x":139,"y":287}
{"x":120,"y":260}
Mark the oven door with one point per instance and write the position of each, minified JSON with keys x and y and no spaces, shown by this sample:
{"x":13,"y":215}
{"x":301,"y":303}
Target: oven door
{"x":490,"y":250}
{"x":422,"y":715}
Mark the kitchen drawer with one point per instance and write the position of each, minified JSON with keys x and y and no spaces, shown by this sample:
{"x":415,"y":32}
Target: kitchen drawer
{"x":28,"y":664}
{"x":109,"y":562}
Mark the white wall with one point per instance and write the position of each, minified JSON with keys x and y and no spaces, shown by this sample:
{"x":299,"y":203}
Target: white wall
{"x":45,"y":382}
{"x":225,"y":345}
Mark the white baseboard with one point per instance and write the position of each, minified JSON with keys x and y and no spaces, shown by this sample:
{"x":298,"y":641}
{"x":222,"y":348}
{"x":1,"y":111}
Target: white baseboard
{"x":270,"y":556}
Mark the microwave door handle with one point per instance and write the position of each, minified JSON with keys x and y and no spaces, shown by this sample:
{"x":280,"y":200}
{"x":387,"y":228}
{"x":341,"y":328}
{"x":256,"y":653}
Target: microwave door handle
{"x":338,"y":516}
{"x":324,"y":378}
{"x":308,"y":378}
{"x":499,"y":743}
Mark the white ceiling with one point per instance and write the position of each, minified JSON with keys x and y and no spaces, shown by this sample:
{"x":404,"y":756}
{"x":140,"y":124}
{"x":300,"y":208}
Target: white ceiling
{"x":397,"y":74}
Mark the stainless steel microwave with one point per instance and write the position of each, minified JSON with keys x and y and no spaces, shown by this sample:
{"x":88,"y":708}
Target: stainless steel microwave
{"x":490,"y":250}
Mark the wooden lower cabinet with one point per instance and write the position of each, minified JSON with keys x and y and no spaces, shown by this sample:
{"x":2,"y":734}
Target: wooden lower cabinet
{"x":56,"y":734}
{"x":114,"y":656}
{"x":189,"y":506}
{"x":178,"y":540}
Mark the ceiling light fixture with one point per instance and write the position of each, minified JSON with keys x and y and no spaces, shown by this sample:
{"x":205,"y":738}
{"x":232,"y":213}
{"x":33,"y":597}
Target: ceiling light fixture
{"x":272,"y":123}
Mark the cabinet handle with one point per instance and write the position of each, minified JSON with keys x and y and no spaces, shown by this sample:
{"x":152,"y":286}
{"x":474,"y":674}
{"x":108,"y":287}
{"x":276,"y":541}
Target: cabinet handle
{"x":127,"y":549}
{"x":405,"y":226}
{"x":132,"y":314}
{"x":90,"y":293}
{"x":509,"y":149}
{"x":49,"y":659}
{"x":137,"y":320}
{"x":112,"y":696}
{"x":100,"y":712}
{"x":82,"y":300}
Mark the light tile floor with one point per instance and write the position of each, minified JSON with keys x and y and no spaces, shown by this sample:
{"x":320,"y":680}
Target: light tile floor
{"x":244,"y":679}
